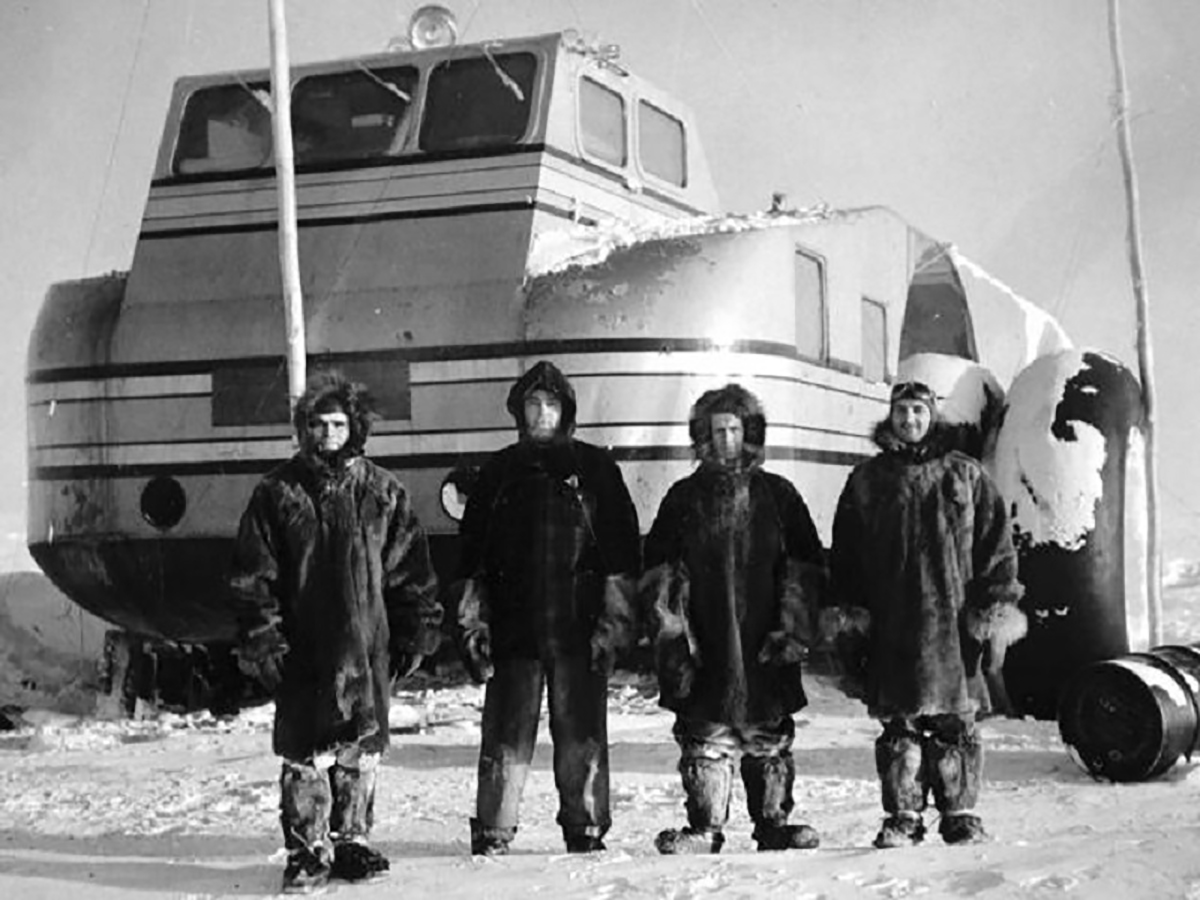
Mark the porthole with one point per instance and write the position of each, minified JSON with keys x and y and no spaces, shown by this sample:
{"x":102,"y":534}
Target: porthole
{"x":163,"y":502}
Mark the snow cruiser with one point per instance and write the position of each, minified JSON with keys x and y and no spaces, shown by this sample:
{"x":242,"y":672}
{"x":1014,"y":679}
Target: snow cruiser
{"x":463,"y":211}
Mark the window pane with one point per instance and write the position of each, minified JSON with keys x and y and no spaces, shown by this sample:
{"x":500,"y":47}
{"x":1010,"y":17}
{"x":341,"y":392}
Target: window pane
{"x":224,"y":129}
{"x":660,"y":144}
{"x":810,"y":307}
{"x":482,"y":101}
{"x":351,"y":115}
{"x":874,"y":341}
{"x":602,"y":118}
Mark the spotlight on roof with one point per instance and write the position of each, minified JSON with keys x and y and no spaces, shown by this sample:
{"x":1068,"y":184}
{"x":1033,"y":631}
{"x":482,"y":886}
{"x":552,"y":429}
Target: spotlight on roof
{"x":432,"y":26}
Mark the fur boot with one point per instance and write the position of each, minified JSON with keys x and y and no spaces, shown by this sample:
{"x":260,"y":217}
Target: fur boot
{"x":489,"y":840}
{"x":350,"y":823}
{"x":898,"y":760}
{"x":962,"y":828}
{"x":954,"y":763}
{"x":900,"y":830}
{"x":708,"y":785}
{"x":768,"y":781}
{"x":304,"y":805}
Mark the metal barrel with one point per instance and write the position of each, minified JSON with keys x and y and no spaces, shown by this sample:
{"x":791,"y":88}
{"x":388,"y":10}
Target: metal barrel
{"x":1132,"y":718}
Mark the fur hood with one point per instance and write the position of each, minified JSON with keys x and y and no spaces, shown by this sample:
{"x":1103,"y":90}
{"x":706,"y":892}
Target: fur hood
{"x":735,"y":399}
{"x":547,"y":377}
{"x":325,"y":391}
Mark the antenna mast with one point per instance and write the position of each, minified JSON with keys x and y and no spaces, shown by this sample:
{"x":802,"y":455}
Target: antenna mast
{"x":1142,"y":302}
{"x":285,"y":181}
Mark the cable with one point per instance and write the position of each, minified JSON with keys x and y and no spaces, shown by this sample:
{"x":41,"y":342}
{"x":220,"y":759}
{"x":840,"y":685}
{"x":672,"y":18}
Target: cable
{"x":112,"y":150}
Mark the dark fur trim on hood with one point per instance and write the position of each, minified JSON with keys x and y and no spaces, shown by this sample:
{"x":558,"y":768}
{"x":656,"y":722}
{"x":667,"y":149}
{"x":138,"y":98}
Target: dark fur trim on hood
{"x":547,"y":377}
{"x":329,"y":390}
{"x":735,"y":399}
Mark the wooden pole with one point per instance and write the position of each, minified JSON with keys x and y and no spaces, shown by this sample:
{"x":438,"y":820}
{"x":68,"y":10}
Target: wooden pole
{"x":1144,"y":346}
{"x":285,"y":180}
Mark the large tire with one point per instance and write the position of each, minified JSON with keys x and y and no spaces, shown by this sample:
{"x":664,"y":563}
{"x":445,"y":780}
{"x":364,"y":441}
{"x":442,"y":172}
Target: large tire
{"x":1069,"y":461}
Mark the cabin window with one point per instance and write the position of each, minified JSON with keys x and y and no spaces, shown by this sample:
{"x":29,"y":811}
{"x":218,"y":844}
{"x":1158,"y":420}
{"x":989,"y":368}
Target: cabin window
{"x":810,"y":306}
{"x":602,"y":122}
{"x":225,"y":129}
{"x":661,"y":148}
{"x":255,"y":393}
{"x":351,"y":115}
{"x":874,"y":340}
{"x":936,"y":317}
{"x":478,"y":102}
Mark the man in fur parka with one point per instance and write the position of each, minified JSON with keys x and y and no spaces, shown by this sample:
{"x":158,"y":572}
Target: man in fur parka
{"x":925,"y":577}
{"x":551,"y":553}
{"x":733,"y":567}
{"x":334,"y":588}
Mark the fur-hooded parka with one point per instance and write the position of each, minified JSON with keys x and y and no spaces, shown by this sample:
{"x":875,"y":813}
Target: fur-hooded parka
{"x":332,"y":574}
{"x":546,"y":376}
{"x":550,"y":542}
{"x":733,"y":569}
{"x":923,"y":566}
{"x":736,"y":400}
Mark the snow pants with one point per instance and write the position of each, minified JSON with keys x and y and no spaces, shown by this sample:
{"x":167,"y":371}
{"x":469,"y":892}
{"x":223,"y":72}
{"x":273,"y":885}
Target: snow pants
{"x":327,"y":799}
{"x":578,"y":728}
{"x":941,"y":753}
{"x":707,"y":751}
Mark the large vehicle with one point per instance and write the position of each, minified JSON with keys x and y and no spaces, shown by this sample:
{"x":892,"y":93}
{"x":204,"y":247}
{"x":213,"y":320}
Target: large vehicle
{"x":463,"y":211}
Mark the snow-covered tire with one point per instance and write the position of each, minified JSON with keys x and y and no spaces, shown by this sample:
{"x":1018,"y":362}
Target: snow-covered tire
{"x":1069,"y":459}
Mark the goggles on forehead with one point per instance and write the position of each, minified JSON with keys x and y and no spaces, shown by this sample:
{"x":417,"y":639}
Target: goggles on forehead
{"x":913,"y":390}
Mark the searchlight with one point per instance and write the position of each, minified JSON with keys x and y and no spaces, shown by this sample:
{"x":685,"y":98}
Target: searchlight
{"x":432,"y":26}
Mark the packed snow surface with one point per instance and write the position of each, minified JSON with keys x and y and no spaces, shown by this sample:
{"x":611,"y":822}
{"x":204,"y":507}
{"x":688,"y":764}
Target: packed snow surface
{"x":186,"y":806}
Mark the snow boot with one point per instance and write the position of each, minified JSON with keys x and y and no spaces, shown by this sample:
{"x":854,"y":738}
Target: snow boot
{"x":584,"y":843}
{"x":350,"y":820}
{"x":688,"y":841}
{"x":304,"y":802}
{"x":954,"y":758}
{"x":354,"y":861}
{"x":786,"y":837}
{"x":707,"y":787}
{"x":900,"y":830}
{"x":962,"y":828}
{"x":768,"y":781}
{"x":305,"y":873}
{"x":899,"y":762}
{"x":490,"y":841}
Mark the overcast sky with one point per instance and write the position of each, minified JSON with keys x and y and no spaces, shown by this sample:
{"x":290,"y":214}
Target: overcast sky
{"x":986,"y":123}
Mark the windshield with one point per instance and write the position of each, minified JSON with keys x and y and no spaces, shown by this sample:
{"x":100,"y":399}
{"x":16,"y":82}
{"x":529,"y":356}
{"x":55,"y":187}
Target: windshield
{"x":479,"y":101}
{"x":345,"y":117}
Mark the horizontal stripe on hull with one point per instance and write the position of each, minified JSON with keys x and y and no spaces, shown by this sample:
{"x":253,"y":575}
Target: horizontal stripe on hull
{"x":408,"y":462}
{"x":427,"y":160}
{"x":445,"y":353}
{"x":324,"y":221}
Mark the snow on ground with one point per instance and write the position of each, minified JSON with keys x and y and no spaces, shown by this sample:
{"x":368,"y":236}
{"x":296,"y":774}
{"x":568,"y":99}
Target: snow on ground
{"x":186,"y":806}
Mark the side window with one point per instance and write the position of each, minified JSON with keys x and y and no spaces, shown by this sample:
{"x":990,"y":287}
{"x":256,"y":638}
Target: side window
{"x":602,"y":122}
{"x":478,"y":101}
{"x":351,"y":115}
{"x":810,"y":306}
{"x":936,"y":316}
{"x":661,"y":147}
{"x":225,"y":129}
{"x":874,"y":341}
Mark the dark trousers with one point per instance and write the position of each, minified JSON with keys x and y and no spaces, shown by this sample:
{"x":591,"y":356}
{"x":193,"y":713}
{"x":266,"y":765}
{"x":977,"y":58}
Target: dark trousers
{"x":578,"y":728}
{"x":920,"y":754}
